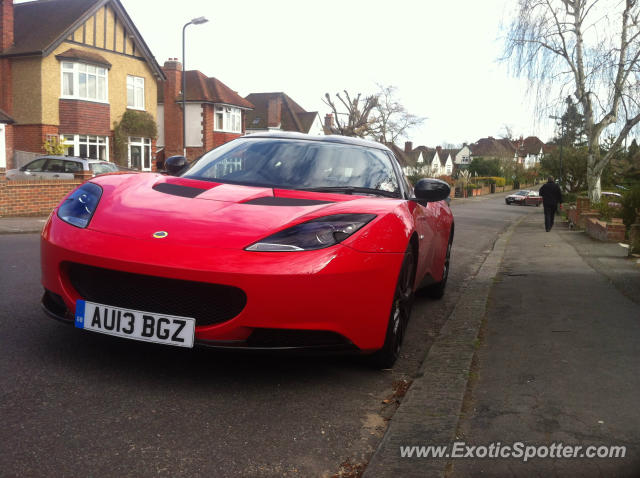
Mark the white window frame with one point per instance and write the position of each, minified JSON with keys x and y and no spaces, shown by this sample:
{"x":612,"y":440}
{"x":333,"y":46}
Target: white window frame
{"x":145,"y":147}
{"x":231,"y":119}
{"x":76,"y":141}
{"x":136,"y":83}
{"x":76,"y":69}
{"x":3,"y":148}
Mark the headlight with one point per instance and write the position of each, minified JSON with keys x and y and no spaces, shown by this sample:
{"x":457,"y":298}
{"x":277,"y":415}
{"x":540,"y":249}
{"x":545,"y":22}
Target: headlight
{"x":79,"y":207}
{"x":314,"y":234}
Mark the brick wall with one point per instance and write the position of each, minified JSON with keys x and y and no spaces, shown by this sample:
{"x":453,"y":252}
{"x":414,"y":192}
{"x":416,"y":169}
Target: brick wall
{"x":31,"y":137}
{"x":605,"y":231}
{"x":84,"y":117}
{"x":221,"y":138}
{"x":33,"y":198}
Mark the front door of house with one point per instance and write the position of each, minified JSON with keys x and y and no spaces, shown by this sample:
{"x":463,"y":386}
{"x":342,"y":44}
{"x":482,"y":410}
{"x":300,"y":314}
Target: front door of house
{"x":140,"y":153}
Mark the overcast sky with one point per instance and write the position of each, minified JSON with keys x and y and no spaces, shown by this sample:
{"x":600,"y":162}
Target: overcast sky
{"x":442,"y":55}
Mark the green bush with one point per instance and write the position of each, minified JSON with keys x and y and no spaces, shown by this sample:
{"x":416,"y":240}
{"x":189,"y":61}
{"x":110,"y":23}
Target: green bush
{"x":607,"y":212}
{"x":497,"y":180}
{"x":630,"y":203}
{"x":569,"y":197}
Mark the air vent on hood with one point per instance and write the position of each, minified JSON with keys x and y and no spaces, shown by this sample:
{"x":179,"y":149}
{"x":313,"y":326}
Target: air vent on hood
{"x":178,"y":190}
{"x":279,"y":201}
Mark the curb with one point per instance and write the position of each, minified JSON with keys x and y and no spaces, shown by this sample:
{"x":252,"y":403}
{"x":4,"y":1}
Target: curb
{"x":22,"y":225}
{"x":430,"y":411}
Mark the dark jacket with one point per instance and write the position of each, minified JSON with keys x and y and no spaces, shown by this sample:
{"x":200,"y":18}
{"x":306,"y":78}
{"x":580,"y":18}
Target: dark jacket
{"x":551,"y":194}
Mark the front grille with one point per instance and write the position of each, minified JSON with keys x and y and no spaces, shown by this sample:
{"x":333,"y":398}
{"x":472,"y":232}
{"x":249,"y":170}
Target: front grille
{"x":295,"y":338}
{"x":207,"y":303}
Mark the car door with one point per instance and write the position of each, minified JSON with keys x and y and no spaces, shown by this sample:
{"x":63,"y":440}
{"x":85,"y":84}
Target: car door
{"x":33,"y":170}
{"x":54,"y":169}
{"x":71,"y":168}
{"x":424,"y":219}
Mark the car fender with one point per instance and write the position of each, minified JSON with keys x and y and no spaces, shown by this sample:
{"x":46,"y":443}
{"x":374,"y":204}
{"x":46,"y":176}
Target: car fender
{"x":388,"y":233}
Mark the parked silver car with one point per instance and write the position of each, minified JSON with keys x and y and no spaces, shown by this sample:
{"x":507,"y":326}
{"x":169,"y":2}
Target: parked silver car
{"x":60,"y":167}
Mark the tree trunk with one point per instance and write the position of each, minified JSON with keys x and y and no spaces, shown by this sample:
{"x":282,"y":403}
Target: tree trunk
{"x":593,"y":178}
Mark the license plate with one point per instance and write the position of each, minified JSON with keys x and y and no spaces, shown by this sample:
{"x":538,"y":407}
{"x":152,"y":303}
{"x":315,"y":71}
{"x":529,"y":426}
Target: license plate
{"x":135,"y":324}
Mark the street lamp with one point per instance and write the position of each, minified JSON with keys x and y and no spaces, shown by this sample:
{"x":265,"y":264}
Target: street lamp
{"x":561,"y":143}
{"x":195,"y":21}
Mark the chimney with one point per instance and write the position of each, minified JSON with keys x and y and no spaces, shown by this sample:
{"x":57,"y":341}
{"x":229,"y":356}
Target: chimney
{"x":408,"y":146}
{"x":328,"y":121}
{"x":6,"y":41}
{"x":172,"y":93}
{"x":6,"y":24}
{"x":274,"y":112}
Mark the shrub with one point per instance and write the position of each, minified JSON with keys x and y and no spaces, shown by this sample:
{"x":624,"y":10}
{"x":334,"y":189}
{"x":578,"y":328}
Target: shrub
{"x":53,"y":146}
{"x":132,"y":123}
{"x":447,"y":179}
{"x":606,"y":211}
{"x":630,"y":203}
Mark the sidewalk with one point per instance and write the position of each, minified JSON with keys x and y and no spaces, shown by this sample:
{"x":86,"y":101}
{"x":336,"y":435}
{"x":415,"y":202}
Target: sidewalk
{"x":20,"y":225}
{"x":557,"y":349}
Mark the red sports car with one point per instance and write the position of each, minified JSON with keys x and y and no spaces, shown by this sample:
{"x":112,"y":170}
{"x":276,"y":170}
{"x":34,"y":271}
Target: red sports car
{"x":268,"y":241}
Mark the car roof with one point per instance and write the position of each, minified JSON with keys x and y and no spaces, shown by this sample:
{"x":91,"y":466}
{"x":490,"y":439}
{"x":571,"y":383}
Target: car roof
{"x":69,"y":158}
{"x":332,"y":138}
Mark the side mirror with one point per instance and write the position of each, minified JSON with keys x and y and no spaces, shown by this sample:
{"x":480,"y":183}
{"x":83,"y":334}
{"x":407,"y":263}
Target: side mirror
{"x":431,"y":190}
{"x":175,"y":164}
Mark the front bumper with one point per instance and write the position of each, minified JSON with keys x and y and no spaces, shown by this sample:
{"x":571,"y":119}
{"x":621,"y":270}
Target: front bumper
{"x":309,"y":297}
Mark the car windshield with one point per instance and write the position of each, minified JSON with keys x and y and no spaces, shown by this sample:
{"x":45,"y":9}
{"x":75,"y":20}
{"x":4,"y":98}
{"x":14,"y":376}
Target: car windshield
{"x":521,"y":193}
{"x":299,"y":164}
{"x":102,"y":168}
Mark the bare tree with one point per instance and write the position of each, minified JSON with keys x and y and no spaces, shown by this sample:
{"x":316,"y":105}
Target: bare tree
{"x":356,"y":120}
{"x":379,"y":116}
{"x":587,"y":48}
{"x":391,"y":120}
{"x":507,"y":132}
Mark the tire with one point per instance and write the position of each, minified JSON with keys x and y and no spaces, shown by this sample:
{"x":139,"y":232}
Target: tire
{"x":436,"y":291}
{"x":538,"y":204}
{"x":399,"y":316}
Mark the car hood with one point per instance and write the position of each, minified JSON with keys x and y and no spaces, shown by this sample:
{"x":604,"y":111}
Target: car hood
{"x":207,"y":214}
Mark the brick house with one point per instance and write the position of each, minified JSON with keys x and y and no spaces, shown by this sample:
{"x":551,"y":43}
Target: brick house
{"x":215,"y":113}
{"x":70,"y":69}
{"x":278,"y":112}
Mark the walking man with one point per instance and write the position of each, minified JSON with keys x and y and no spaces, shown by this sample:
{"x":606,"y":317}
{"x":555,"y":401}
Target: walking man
{"x":551,"y":199}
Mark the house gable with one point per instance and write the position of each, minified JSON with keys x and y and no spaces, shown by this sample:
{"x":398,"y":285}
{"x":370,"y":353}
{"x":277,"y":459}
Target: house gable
{"x":41,"y":26}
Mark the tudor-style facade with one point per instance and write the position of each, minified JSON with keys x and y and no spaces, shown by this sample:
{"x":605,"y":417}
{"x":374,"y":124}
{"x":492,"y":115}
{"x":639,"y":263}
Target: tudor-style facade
{"x":215,"y":114}
{"x":74,"y":68}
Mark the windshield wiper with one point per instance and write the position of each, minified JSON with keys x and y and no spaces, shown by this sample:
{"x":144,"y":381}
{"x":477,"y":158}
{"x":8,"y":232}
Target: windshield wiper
{"x":351,"y":190}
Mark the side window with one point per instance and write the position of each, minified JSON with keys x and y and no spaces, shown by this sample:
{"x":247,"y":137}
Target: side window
{"x":55,"y":166}
{"x":36,"y":165}
{"x":405,"y":184}
{"x":72,"y":167}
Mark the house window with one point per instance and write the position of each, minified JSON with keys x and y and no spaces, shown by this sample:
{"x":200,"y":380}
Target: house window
{"x":140,"y":153}
{"x":135,"y":92}
{"x":84,"y":82}
{"x":228,"y":119}
{"x":86,"y":146}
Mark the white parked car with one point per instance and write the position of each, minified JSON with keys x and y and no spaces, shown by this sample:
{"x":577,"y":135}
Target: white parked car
{"x":60,"y":167}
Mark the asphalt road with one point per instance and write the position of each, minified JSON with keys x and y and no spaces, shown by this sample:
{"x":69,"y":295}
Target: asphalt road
{"x":75,"y":403}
